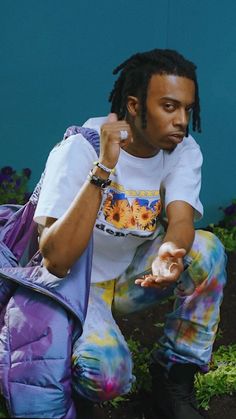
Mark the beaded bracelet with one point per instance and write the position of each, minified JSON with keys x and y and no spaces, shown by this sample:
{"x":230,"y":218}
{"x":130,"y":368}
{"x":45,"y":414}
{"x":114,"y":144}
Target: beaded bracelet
{"x":103,"y":167}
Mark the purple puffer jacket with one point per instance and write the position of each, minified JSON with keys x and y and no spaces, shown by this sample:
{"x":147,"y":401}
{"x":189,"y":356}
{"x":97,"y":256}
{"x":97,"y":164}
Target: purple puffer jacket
{"x":40,"y":315}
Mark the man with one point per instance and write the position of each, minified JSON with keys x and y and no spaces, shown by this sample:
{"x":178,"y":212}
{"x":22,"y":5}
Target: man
{"x":147,"y":162}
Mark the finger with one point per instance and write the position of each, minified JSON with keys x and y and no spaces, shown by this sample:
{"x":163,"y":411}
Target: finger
{"x":112,"y":117}
{"x":147,"y":283}
{"x":158,"y":281}
{"x":140,"y":281}
{"x":147,"y":277}
{"x":124,"y":130}
{"x":144,"y":282}
{"x":124,"y":143}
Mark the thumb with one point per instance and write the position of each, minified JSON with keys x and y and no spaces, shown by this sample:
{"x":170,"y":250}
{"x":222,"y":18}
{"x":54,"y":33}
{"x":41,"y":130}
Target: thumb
{"x":112,"y":117}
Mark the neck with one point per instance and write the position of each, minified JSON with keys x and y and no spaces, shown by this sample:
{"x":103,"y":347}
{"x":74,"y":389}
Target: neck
{"x":136,"y":149}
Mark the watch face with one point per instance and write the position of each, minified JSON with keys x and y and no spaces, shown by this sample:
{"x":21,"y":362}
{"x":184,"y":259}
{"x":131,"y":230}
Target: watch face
{"x":97,"y":181}
{"x":106,"y":183}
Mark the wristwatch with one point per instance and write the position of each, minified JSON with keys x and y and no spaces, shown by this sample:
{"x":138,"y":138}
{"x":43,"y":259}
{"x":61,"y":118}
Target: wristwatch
{"x":98,"y":181}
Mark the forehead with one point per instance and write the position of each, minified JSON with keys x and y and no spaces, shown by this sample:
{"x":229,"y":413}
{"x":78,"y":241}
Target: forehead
{"x":179,"y":88}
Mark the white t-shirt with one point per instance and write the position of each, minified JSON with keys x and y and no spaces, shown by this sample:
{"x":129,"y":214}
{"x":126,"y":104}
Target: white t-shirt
{"x":129,"y":216}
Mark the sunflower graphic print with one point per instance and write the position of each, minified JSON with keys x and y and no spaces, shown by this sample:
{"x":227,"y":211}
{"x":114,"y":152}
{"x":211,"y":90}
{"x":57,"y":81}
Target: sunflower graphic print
{"x":137,"y":214}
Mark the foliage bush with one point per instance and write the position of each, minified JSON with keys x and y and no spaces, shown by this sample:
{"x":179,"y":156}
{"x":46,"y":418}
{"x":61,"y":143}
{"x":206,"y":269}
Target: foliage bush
{"x":226,"y":229}
{"x":14,"y":186}
{"x":227,"y":237}
{"x":141,"y":358}
{"x":221,"y":379}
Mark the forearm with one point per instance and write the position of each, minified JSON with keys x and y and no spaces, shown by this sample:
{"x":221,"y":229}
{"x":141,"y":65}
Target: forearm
{"x":181,"y":233}
{"x":65,"y":240}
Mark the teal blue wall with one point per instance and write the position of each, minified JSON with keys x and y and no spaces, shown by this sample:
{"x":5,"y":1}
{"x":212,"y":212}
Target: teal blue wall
{"x":57,"y":58}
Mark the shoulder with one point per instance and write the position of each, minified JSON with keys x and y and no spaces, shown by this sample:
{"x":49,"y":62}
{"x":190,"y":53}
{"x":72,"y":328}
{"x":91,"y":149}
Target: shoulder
{"x":191,"y":149}
{"x":95,"y":123}
{"x":188,"y":150}
{"x":73,"y":149}
{"x":83,"y":138}
{"x":188,"y":143}
{"x":74,"y":142}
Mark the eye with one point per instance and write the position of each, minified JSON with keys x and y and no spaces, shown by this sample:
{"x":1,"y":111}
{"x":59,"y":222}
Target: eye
{"x":169,"y":107}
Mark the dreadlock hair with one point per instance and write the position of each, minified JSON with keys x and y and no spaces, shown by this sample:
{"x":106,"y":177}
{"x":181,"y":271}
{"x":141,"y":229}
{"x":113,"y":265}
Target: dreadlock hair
{"x":136,"y":72}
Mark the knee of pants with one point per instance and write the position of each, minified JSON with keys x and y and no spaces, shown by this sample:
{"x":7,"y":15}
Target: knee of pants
{"x":102,"y":373}
{"x":207,"y":256}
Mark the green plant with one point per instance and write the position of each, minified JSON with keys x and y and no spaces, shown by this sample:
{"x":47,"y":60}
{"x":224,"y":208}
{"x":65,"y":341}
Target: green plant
{"x":229,"y":219}
{"x":221,"y":379}
{"x":14,"y":186}
{"x":226,"y":229}
{"x":141,"y":358}
{"x":227,"y":237}
{"x":219,"y":334}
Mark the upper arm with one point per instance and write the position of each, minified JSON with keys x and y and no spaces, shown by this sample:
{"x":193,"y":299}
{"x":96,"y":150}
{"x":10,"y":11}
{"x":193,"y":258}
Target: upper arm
{"x":66,"y":171}
{"x":182,"y":181}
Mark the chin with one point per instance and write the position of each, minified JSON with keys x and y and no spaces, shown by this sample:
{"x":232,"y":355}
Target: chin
{"x":169,"y":148}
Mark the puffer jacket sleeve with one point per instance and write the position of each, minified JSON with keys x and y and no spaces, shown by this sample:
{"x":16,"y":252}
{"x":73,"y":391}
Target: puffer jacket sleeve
{"x":7,"y":259}
{"x":35,"y":362}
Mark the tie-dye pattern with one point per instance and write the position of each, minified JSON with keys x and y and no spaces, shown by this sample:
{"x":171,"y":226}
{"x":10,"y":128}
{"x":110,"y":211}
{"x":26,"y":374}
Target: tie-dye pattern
{"x":102,"y":362}
{"x":101,"y":359}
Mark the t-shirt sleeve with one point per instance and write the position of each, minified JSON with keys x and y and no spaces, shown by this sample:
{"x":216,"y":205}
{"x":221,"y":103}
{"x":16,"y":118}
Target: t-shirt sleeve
{"x":67,"y":168}
{"x":183,"y":178}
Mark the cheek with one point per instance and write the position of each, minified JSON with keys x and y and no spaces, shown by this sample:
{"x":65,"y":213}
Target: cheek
{"x":157,"y":116}
{"x":160,"y":121}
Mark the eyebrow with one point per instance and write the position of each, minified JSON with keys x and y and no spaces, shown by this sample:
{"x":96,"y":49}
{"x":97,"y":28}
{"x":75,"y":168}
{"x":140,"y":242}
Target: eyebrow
{"x":175,"y":100}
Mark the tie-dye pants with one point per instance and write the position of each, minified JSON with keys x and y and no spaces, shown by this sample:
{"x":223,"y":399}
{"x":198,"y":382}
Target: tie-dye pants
{"x":101,"y":361}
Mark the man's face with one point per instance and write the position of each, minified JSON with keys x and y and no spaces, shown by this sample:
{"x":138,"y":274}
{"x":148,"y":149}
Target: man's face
{"x":170,"y":100}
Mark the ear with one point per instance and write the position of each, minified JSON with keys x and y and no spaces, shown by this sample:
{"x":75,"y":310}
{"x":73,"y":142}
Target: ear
{"x":133,"y":105}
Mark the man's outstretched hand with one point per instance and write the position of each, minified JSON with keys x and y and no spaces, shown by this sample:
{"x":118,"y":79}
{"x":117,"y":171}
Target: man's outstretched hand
{"x":166,"y":267}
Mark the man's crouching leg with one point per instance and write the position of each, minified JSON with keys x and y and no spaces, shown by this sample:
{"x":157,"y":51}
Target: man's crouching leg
{"x":190,"y":329}
{"x":101,"y":362}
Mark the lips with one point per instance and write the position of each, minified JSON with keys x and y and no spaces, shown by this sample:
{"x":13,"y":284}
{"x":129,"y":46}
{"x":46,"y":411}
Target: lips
{"x":176,"y":137}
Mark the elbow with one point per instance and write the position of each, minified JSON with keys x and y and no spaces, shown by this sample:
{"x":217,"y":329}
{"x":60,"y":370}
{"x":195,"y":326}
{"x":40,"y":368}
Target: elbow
{"x":57,"y":259}
{"x":51,"y":263}
{"x":55,"y":269}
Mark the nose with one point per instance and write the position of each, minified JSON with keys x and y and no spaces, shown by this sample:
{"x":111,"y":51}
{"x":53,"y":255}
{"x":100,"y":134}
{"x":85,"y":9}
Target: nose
{"x":181,"y":119}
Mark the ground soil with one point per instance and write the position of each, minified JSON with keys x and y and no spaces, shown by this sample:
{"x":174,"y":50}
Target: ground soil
{"x":141,"y":327}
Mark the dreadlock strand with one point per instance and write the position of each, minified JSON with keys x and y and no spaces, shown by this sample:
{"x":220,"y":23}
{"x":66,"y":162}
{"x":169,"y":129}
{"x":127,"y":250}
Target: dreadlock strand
{"x":146,"y":80}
